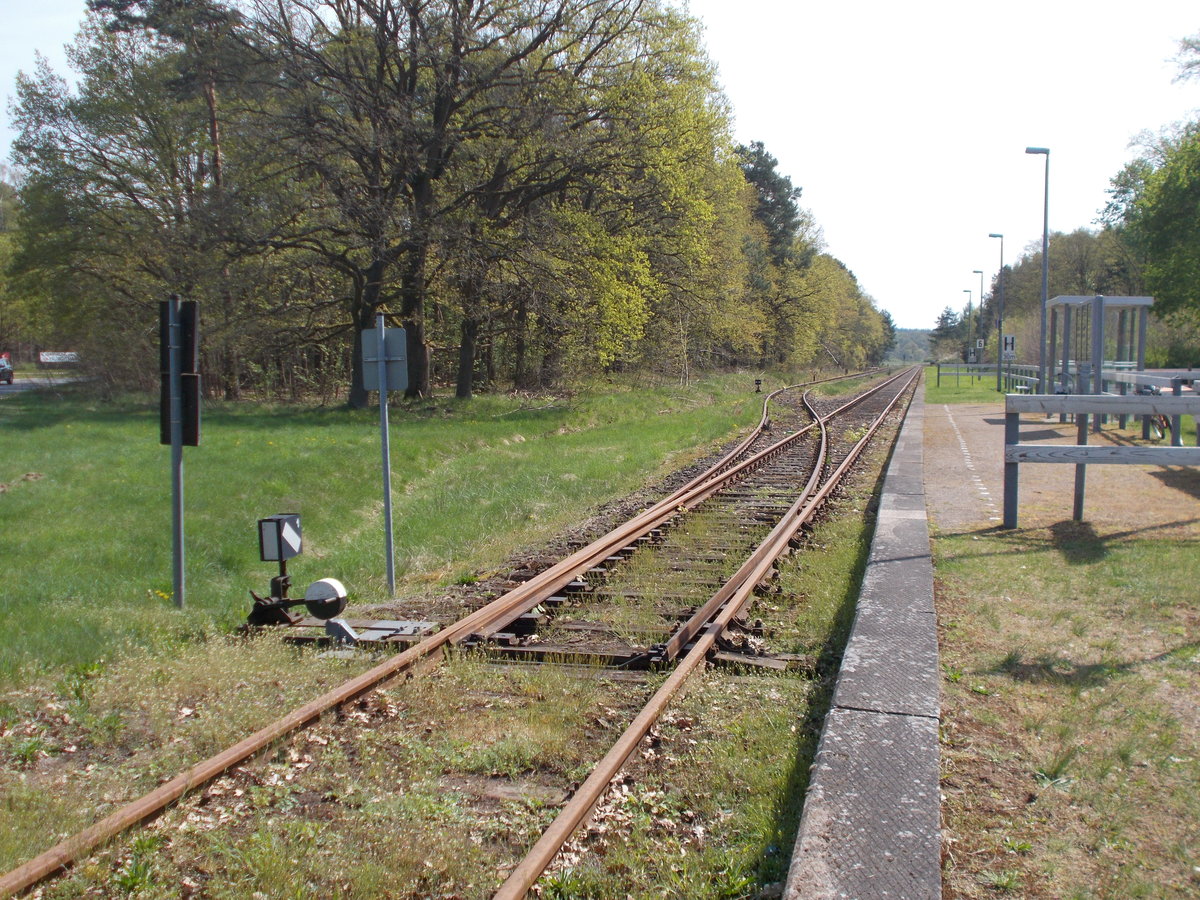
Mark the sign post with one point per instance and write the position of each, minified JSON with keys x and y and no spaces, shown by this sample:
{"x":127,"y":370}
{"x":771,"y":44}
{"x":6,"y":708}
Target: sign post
{"x":385,"y":367}
{"x":179,"y":411}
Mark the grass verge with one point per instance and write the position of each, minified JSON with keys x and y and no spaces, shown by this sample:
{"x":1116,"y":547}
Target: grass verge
{"x":85,"y":500}
{"x":1071,"y":740}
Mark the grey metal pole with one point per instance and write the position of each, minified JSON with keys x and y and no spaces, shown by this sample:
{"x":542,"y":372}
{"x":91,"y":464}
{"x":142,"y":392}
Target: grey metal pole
{"x":175,"y":391}
{"x":1097,"y":355}
{"x":385,"y":442}
{"x":1012,"y":435}
{"x":1081,"y":433}
{"x":970,"y":340}
{"x":1000,"y":319}
{"x":1045,"y":266}
{"x":979,"y":320}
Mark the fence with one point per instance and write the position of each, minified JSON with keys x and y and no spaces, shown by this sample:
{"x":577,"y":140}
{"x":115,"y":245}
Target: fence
{"x":1081,"y":455}
{"x":1013,"y":377}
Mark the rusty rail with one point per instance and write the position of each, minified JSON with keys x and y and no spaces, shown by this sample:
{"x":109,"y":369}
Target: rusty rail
{"x":580,"y":806}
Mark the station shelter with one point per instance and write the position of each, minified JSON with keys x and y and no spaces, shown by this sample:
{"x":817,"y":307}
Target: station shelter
{"x":1080,"y":347}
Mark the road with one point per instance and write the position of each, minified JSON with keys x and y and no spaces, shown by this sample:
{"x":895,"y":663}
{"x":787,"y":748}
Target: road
{"x":28,"y":384}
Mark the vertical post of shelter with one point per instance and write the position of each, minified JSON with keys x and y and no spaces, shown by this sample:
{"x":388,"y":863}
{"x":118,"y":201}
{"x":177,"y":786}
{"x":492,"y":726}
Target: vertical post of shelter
{"x":1053,"y":345}
{"x":1012,"y":435}
{"x":1097,"y":355}
{"x":389,"y":547}
{"x":1066,"y":356}
{"x":1143,"y":323}
{"x":1080,"y":468}
{"x":175,"y":413}
{"x":1177,"y":421}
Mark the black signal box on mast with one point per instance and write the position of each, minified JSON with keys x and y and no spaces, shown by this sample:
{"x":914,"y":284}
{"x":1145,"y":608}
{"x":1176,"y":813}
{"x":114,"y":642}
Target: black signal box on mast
{"x":188,"y":325}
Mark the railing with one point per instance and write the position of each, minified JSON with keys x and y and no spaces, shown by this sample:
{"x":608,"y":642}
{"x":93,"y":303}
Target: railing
{"x":1013,"y":377}
{"x":1082,"y":406}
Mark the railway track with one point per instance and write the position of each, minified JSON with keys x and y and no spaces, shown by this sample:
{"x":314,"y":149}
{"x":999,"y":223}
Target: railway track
{"x":657,"y":591}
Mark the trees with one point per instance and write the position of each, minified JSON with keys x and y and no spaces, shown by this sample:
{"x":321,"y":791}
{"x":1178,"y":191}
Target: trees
{"x":946,"y":338}
{"x":532,"y":187}
{"x":1163,"y":223}
{"x":429,"y":127}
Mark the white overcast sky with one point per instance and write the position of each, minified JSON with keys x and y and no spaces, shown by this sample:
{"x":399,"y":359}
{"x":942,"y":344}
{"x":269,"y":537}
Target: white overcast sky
{"x":904,"y":123}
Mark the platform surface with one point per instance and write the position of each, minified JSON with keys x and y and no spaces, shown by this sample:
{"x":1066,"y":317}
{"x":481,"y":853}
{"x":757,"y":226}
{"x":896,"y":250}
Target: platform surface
{"x":871,"y":826}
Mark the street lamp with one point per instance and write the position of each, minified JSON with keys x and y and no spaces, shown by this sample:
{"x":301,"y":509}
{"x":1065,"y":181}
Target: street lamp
{"x":1000,"y":315}
{"x":1045,"y":151}
{"x":970,"y":346}
{"x":979,"y":331}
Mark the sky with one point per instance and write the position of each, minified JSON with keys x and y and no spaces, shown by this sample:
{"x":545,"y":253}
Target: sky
{"x":905,"y":124}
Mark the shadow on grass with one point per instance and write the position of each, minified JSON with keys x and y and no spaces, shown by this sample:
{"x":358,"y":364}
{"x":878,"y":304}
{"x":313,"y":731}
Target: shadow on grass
{"x":1051,"y":668}
{"x":49,"y":408}
{"x":1022,"y":542}
{"x":1078,"y":542}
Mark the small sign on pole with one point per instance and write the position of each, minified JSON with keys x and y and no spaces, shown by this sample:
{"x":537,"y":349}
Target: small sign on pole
{"x":395,"y":355}
{"x":385,"y":368}
{"x":279,"y":537}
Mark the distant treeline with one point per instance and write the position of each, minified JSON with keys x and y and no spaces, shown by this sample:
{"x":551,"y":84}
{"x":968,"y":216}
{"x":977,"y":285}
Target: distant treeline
{"x":911,"y":345}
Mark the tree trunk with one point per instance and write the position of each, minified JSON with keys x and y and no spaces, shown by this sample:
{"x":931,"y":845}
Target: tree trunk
{"x":412,"y":310}
{"x":466,"y":357}
{"x":362,"y":314}
{"x":521,"y":346}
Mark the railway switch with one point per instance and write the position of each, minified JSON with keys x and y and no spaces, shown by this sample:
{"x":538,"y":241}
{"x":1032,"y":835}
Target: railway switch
{"x":279,"y":539}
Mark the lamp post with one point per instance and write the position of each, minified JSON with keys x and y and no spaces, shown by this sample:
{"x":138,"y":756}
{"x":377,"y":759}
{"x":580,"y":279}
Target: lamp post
{"x":1000,"y":316}
{"x":970,"y":346}
{"x":1044,"y":151}
{"x":979,"y":272}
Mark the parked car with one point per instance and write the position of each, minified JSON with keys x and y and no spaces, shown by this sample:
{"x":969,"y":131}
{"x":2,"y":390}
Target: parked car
{"x":6,"y":370}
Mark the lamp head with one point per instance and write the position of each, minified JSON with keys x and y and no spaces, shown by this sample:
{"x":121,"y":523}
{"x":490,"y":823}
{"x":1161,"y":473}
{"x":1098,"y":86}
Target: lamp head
{"x":997,"y":235}
{"x":1045,"y":150}
{"x":977,"y":271}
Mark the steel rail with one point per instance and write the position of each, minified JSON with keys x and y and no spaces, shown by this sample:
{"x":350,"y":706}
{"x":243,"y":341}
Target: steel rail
{"x":589,"y":794}
{"x":716,"y":468}
{"x":521,"y":599}
{"x":684,"y":634}
{"x":524,"y":598}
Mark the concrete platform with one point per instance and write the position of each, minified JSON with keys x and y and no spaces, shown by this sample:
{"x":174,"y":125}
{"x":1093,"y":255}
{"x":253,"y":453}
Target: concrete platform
{"x":871,"y":826}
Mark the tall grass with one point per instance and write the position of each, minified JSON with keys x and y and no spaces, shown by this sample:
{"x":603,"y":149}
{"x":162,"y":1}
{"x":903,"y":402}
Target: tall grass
{"x":85,"y":510}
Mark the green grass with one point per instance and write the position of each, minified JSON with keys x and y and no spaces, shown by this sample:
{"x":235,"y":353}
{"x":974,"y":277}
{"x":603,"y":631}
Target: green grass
{"x":85,"y":510}
{"x":960,"y":389}
{"x":1080,"y":653}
